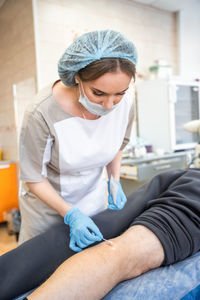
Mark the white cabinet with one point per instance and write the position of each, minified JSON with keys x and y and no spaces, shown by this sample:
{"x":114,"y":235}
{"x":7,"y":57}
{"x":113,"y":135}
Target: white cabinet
{"x":164,"y":106}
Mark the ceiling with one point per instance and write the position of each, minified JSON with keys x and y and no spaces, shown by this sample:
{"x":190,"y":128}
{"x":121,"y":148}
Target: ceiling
{"x":170,"y":5}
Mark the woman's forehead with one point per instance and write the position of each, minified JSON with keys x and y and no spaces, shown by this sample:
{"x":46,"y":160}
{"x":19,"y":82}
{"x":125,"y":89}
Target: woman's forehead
{"x":111,"y":82}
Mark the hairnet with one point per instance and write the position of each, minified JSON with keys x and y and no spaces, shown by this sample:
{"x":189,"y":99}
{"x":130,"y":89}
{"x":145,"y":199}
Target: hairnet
{"x":93,"y":46}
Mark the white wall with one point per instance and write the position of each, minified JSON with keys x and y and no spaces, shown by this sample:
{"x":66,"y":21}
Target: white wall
{"x":58,"y":23}
{"x":189,"y":40}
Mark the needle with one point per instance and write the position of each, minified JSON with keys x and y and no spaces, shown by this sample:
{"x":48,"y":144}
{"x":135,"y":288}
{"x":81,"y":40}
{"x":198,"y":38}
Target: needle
{"x":108,"y":242}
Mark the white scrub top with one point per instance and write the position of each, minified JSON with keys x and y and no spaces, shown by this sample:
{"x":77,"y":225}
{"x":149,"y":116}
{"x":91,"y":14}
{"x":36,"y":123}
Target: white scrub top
{"x":71,"y":152}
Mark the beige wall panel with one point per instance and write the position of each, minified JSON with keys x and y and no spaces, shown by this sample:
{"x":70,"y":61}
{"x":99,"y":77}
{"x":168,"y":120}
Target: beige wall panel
{"x":17,"y":62}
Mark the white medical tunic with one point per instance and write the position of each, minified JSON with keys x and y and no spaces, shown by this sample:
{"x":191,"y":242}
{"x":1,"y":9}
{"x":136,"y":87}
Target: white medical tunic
{"x":71,"y":152}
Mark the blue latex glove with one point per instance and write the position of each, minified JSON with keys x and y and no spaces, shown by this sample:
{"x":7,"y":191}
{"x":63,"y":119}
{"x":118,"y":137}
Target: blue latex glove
{"x":116,"y":197}
{"x":83,"y":231}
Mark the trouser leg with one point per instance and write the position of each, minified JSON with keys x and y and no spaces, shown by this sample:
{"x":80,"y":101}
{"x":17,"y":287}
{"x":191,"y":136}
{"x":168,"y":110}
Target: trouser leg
{"x":174,"y":217}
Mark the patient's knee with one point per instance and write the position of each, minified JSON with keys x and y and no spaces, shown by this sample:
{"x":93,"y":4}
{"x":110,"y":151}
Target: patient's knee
{"x":142,"y":249}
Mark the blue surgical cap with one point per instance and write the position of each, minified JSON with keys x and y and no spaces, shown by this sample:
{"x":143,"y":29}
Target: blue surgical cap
{"x":94,"y":46}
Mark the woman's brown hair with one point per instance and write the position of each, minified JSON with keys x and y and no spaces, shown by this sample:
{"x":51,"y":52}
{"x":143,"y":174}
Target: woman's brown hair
{"x":106,"y":65}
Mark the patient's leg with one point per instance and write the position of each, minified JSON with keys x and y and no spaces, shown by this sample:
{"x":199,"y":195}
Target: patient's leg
{"x":92,"y":273}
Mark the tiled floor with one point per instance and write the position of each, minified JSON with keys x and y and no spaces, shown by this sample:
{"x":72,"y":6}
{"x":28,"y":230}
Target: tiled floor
{"x":7,"y":242}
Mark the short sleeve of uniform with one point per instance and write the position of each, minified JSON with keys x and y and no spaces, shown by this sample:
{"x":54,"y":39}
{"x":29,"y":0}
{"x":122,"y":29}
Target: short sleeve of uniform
{"x":34,"y":150}
{"x":129,"y":127}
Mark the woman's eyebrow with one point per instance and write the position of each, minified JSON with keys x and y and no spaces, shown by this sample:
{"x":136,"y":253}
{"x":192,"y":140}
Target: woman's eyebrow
{"x":99,"y":91}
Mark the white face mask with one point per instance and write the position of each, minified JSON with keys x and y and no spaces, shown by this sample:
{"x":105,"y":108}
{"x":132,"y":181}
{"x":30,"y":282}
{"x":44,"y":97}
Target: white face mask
{"x":94,"y":108}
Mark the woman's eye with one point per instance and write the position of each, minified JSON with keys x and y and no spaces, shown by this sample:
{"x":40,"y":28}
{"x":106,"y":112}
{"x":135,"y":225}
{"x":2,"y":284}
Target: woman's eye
{"x":97,"y":94}
{"x":101,"y":94}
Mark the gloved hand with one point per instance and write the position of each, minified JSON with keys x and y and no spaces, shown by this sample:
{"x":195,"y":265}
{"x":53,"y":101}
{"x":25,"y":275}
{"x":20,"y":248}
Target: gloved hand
{"x":83,"y":231}
{"x":116,"y":197}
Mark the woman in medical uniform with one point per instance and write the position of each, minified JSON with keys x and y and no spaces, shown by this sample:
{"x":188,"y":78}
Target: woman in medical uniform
{"x":74,"y":129}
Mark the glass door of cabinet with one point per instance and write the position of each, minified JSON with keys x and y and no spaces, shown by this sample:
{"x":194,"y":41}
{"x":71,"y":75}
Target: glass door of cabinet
{"x":186,"y":110}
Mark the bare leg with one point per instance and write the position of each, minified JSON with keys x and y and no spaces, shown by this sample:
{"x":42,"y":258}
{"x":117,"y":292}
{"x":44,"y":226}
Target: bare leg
{"x":92,"y":273}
